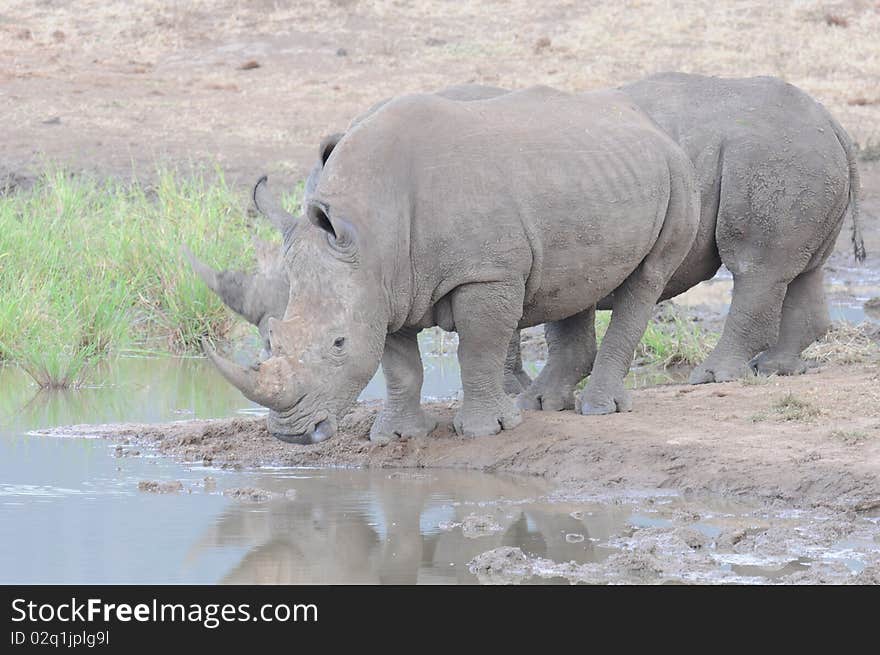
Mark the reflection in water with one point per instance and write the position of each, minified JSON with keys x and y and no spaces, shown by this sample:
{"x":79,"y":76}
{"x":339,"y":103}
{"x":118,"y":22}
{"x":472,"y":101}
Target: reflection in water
{"x":401,"y":528}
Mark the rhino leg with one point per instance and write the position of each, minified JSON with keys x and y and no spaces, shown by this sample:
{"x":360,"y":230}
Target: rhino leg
{"x":751,"y":326}
{"x":516,"y":380}
{"x":634,"y":300}
{"x":571,"y":346}
{"x":804,"y":319}
{"x":402,"y":416}
{"x":485,"y":316}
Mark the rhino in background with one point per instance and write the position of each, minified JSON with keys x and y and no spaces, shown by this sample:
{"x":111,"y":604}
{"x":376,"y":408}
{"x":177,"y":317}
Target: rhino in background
{"x":777,"y":177}
{"x":464,"y":215}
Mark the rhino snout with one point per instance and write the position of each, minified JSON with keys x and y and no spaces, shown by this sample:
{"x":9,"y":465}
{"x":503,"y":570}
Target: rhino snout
{"x":321,"y":431}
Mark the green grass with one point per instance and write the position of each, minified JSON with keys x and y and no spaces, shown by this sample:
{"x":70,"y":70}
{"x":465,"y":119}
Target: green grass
{"x":89,"y":268}
{"x":670,"y":339}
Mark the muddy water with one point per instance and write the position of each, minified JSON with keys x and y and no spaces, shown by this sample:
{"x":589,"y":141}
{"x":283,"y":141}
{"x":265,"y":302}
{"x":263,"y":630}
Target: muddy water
{"x":71,"y":510}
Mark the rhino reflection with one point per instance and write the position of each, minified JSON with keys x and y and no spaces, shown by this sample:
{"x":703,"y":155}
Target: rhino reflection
{"x":383,"y":528}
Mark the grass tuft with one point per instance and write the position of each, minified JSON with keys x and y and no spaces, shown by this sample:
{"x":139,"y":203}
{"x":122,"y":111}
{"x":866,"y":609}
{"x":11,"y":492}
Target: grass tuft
{"x":849,"y":437}
{"x":846,"y":343}
{"x":790,"y":408}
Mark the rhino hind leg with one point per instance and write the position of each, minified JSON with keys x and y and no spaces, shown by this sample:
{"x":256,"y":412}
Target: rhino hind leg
{"x":751,"y":326}
{"x":571,"y":345}
{"x":485,"y":316}
{"x":402,"y":417}
{"x":804,"y":319}
{"x":516,"y":380}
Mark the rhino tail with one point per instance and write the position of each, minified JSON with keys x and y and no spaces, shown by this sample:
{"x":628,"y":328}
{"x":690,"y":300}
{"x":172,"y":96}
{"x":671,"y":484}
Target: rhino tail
{"x":858,"y":240}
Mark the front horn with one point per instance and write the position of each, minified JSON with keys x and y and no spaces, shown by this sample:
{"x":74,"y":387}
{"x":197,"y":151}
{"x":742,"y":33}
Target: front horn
{"x":270,"y":208}
{"x":251,"y":382}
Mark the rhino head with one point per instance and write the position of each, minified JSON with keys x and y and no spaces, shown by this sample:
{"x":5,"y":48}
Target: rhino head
{"x":329,"y":342}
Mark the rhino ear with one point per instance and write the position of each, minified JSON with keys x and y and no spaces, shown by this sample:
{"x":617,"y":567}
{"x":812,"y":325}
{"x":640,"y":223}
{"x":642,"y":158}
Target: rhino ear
{"x":327,"y":145}
{"x":340,"y":232}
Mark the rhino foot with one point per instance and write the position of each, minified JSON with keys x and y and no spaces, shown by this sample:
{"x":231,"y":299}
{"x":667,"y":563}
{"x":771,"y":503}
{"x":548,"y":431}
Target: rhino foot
{"x":768,"y":363}
{"x":548,"y":399}
{"x":721,"y":372}
{"x":594,"y":401}
{"x":486,"y":420}
{"x":390,"y":427}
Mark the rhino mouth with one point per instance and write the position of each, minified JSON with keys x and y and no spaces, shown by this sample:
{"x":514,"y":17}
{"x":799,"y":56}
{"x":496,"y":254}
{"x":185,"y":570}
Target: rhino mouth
{"x":319,"y":431}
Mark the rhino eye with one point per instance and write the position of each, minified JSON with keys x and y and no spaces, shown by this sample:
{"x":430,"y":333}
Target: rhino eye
{"x":338,"y":342}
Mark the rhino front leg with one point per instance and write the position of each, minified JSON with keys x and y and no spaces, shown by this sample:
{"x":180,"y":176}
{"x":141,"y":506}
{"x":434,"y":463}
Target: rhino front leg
{"x":516,"y":380}
{"x":485,"y":315}
{"x":402,"y":416}
{"x":571,"y":346}
{"x":804,"y":319}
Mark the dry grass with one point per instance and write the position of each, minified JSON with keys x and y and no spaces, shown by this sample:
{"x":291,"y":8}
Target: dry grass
{"x":789,"y":408}
{"x":846,"y":343}
{"x":850,"y":437}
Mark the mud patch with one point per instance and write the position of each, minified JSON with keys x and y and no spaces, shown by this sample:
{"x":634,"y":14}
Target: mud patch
{"x":723,"y":451}
{"x":249,"y":494}
{"x":156,"y":487}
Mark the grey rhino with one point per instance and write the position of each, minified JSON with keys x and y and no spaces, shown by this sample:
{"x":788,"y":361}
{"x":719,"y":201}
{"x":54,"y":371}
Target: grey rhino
{"x":479,"y":217}
{"x":777,"y":176}
{"x":259,"y":296}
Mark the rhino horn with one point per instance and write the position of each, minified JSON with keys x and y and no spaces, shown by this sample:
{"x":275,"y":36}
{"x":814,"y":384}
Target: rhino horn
{"x":253,"y":382}
{"x":269,"y":207}
{"x":233,"y":287}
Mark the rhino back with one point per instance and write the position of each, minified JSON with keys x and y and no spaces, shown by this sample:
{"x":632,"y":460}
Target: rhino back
{"x":767,"y":157}
{"x":568,"y":192}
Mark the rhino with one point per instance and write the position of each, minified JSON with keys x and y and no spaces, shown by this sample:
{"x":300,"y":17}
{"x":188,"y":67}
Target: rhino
{"x":777,"y":176}
{"x":476,"y":217}
{"x":259,"y":296}
{"x":761,"y":124}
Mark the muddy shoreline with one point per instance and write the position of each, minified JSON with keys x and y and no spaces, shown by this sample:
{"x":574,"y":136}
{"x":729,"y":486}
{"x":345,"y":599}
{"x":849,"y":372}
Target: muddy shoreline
{"x":730,"y":440}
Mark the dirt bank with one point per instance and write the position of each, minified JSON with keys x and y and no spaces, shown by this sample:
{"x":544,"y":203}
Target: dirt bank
{"x":808,"y":441}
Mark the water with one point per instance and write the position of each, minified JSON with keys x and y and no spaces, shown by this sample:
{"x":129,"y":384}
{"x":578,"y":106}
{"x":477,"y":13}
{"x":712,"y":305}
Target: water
{"x":71,"y":511}
{"x":847,"y":289}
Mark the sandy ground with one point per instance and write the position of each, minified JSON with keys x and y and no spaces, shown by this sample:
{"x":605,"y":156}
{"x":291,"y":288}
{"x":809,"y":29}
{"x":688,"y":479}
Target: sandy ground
{"x":117,"y":86}
{"x":728,"y":439}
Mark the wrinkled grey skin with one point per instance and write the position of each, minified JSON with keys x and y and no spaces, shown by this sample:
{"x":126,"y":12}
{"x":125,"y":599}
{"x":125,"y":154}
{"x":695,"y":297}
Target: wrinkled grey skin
{"x":477,"y":218}
{"x":259,"y":296}
{"x":516,"y":380}
{"x":777,"y":176}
